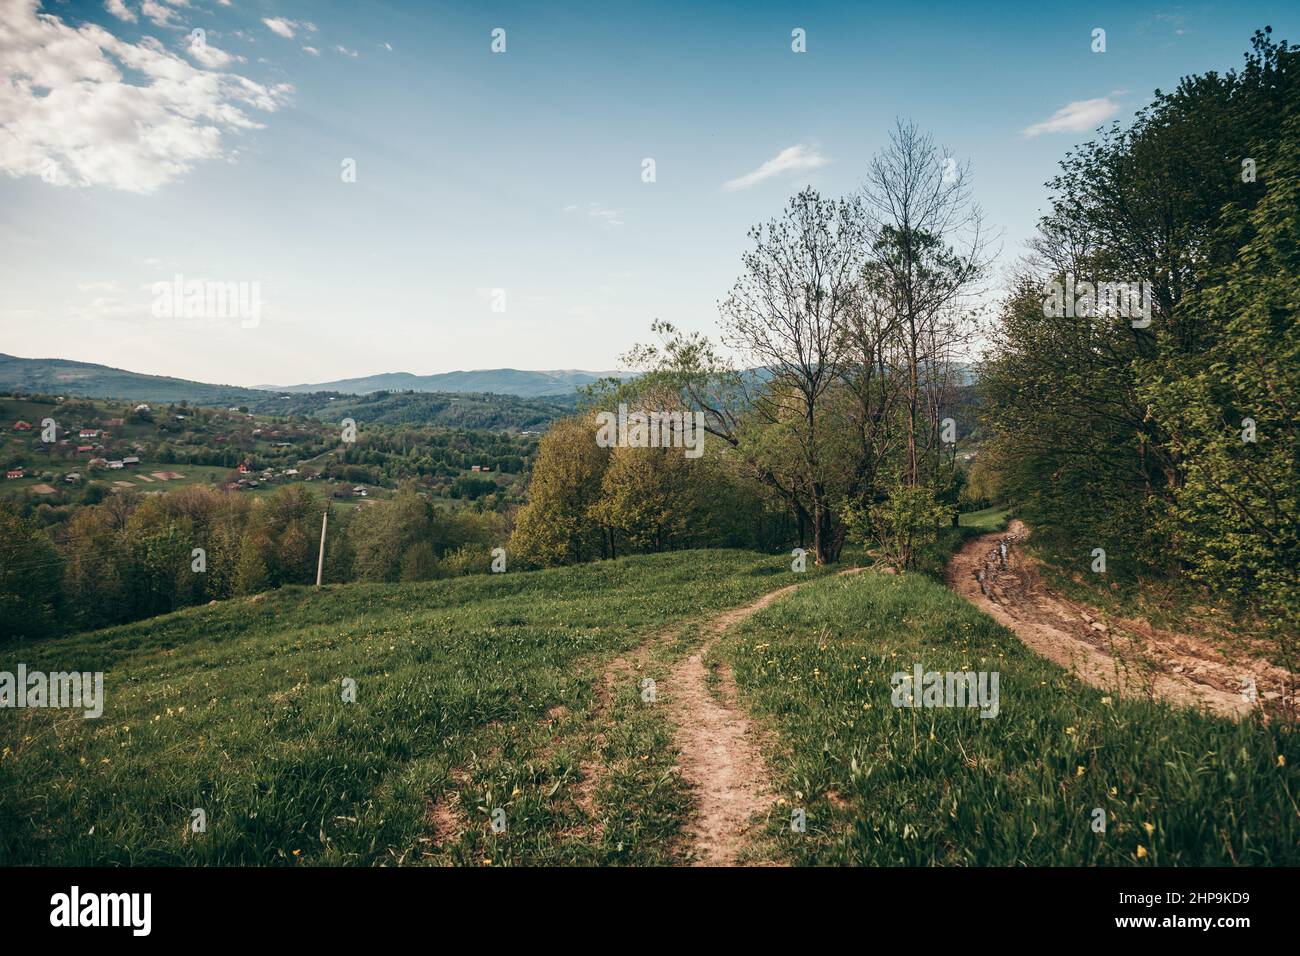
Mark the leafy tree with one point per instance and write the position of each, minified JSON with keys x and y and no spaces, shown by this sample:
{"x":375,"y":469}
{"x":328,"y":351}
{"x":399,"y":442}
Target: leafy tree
{"x":1234,"y":418}
{"x":31,"y":596}
{"x":557,"y":525}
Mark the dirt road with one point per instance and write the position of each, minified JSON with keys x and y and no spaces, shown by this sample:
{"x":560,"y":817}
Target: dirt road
{"x":1128,"y":656}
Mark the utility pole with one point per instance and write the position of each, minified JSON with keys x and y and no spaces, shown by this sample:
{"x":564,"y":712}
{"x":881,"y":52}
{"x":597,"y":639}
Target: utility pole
{"x":320,"y":562}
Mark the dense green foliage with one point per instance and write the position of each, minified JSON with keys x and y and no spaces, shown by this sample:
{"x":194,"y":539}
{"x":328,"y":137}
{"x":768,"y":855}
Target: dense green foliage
{"x":1173,"y":444}
{"x":135,"y":556}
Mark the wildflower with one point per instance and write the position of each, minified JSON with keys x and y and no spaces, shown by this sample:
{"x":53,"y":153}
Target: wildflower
{"x":1281,"y":760}
{"x":1142,"y":851}
{"x":1149,"y":827}
{"x":1079,"y":771}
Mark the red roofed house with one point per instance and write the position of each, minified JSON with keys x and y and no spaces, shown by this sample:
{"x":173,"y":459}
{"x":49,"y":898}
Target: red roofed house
{"x":14,"y":473}
{"x":22,"y":426}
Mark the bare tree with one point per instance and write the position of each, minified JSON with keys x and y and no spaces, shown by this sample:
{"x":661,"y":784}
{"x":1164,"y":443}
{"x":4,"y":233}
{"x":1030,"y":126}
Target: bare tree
{"x":929,"y":250}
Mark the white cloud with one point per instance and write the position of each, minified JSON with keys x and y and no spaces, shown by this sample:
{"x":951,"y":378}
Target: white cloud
{"x":287,"y":28}
{"x":312,"y":50}
{"x":346,"y":52}
{"x":210,"y":56}
{"x":792,"y":158}
{"x":69,"y":115}
{"x":282,"y":27}
{"x":120,"y":10}
{"x":388,"y":47}
{"x":160,"y":12}
{"x":1077,"y":117}
{"x":608,"y":217}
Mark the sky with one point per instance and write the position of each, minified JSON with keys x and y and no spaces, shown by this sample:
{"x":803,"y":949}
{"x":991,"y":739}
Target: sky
{"x":499,"y":213}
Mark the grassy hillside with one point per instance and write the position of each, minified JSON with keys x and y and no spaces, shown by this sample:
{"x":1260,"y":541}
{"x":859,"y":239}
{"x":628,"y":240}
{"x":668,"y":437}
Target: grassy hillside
{"x":237,"y":709}
{"x":491,"y":687}
{"x":882,"y":785}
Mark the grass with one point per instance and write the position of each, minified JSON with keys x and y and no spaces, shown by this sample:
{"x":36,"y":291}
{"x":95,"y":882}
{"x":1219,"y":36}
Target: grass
{"x":486,"y":692}
{"x":482,"y":686}
{"x":882,"y":785}
{"x":990,"y":519}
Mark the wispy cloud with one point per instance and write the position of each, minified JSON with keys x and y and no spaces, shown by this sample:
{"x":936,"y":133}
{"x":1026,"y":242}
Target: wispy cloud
{"x":790,"y":159}
{"x":287,"y":28}
{"x":1077,"y":117}
{"x":210,"y":56}
{"x":608,"y":217}
{"x":340,"y":48}
{"x":160,"y":12}
{"x":120,"y":10}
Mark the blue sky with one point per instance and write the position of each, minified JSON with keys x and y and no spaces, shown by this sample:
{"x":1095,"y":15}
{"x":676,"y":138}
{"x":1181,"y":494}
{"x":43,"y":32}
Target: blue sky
{"x":131,"y":157}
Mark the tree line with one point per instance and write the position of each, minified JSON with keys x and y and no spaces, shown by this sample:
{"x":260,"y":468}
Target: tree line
{"x":136,"y":556}
{"x":832,"y":397}
{"x":1170,"y":442}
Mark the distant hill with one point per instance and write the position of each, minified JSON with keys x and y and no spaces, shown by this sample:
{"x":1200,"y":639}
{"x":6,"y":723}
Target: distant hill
{"x":87,"y":380}
{"x":66,"y":377}
{"x":460,"y":410}
{"x":418,"y":406}
{"x":501,"y":381}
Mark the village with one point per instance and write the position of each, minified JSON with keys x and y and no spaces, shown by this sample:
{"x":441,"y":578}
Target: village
{"x":105,"y":443}
{"x":60,"y":453}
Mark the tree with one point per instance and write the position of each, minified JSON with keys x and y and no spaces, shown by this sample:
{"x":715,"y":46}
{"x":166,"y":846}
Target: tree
{"x":558,"y":525}
{"x":31,"y":595}
{"x":787,"y":316}
{"x":1234,"y":420}
{"x":919,"y":200}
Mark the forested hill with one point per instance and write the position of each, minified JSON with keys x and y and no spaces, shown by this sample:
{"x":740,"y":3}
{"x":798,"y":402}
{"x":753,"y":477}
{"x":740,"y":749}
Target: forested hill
{"x":446,"y":409}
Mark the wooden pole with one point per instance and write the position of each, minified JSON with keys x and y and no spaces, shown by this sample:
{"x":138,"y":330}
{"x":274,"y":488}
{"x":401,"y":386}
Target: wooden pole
{"x":320,"y":562}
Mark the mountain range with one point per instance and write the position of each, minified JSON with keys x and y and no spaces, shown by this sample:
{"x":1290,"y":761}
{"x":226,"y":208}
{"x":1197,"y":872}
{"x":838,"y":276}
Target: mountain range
{"x":87,"y":379}
{"x":502,"y":381}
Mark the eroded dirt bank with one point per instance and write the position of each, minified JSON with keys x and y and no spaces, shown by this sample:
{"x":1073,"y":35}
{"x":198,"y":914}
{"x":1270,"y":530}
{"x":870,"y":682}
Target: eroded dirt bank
{"x":1125,"y":655}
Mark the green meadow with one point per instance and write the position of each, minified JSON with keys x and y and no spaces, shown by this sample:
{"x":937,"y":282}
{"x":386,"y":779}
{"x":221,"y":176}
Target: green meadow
{"x":882,"y":785}
{"x":488,"y":693}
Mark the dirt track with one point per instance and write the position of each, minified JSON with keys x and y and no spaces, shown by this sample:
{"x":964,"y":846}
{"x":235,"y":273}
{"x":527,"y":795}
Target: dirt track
{"x":1128,"y":656}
